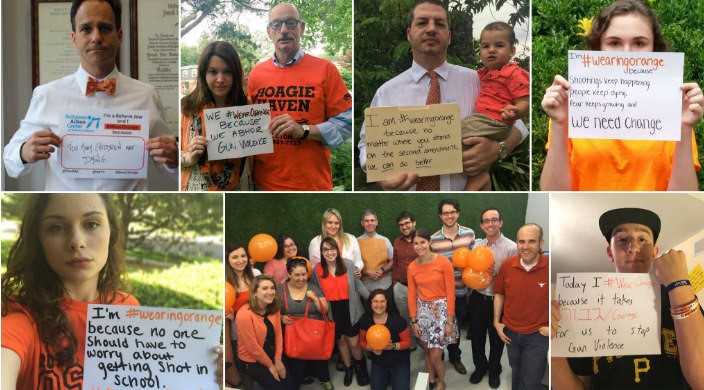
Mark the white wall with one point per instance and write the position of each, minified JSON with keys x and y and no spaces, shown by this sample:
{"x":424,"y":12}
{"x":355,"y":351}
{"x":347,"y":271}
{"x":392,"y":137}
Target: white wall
{"x":687,"y":246}
{"x":538,"y":211}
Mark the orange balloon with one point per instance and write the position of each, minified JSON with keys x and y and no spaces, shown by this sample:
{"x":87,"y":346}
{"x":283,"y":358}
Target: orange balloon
{"x":481,"y":259}
{"x":378,"y":336}
{"x":262,"y":247}
{"x":230,"y":296}
{"x":460,"y":257}
{"x":476,"y":280}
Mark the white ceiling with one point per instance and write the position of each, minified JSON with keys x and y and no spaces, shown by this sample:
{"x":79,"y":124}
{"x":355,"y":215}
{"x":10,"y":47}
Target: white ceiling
{"x":576,"y":241}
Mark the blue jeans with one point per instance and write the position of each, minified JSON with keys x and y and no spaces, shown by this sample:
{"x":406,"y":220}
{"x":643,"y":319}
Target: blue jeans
{"x":528,"y":357}
{"x":398,"y":375}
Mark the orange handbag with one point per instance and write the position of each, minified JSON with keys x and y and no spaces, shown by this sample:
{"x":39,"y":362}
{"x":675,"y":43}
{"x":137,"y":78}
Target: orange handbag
{"x":307,"y":338}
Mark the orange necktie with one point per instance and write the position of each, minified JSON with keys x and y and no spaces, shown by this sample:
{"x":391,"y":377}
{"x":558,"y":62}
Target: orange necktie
{"x":108,"y":86}
{"x":431,"y":183}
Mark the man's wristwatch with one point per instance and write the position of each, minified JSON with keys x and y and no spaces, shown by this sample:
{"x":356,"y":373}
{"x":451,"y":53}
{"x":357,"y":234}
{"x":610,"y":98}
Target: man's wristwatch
{"x":306,"y":130}
{"x":503,"y":151}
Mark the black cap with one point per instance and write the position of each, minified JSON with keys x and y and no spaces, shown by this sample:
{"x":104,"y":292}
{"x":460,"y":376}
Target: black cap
{"x":612,"y":218}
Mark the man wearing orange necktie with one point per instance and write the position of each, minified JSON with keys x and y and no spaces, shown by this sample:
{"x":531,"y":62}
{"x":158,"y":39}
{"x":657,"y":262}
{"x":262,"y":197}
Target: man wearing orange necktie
{"x":431,"y":80}
{"x":96,"y":36}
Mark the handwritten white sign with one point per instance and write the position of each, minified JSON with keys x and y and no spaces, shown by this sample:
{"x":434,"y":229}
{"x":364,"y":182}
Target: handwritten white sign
{"x":137,"y":347}
{"x":625,"y":95}
{"x":104,"y":144}
{"x":238,"y":131}
{"x":422,"y":139}
{"x":607,"y":314}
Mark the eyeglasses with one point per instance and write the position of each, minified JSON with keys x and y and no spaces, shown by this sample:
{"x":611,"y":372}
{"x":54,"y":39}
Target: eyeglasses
{"x":328,"y":250}
{"x":290,"y":23}
{"x":296,"y":261}
{"x":402,"y":224}
{"x":289,"y":246}
{"x":448,"y":213}
{"x":488,"y":221}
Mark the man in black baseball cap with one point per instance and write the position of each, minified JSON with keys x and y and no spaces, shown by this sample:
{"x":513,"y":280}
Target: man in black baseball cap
{"x":632,"y":234}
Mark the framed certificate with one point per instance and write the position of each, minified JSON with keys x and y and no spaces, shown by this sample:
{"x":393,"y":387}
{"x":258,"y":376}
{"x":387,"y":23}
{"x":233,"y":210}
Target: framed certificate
{"x":154,"y":50}
{"x":53,"y":55}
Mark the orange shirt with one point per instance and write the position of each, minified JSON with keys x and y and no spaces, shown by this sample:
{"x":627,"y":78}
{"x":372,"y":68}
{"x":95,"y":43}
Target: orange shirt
{"x":500,"y":87}
{"x":335,"y":288}
{"x":311,"y":91}
{"x":432,"y":281}
{"x":37,"y":368}
{"x":251,"y":333}
{"x":622,"y":165}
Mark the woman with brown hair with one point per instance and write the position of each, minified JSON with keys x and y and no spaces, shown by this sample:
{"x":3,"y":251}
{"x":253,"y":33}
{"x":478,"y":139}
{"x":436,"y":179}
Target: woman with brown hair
{"x":220,"y":84}
{"x":69,"y":254}
{"x":259,"y":333}
{"x":240,"y":274}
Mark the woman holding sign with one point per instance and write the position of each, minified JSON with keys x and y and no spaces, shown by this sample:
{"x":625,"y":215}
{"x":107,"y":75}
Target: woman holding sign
{"x":70,"y":253}
{"x":604,"y":164}
{"x":220,"y":84}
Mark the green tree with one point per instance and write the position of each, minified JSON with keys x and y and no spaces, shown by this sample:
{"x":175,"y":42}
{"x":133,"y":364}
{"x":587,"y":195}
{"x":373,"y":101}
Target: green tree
{"x":193,"y":12}
{"x":189,"y":55}
{"x":382,"y":51}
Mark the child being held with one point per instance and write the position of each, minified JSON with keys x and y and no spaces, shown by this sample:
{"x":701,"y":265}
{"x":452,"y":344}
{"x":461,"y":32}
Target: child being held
{"x":503,"y":96}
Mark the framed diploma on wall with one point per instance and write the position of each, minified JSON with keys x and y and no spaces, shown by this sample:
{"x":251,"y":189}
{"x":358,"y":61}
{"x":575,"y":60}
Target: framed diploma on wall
{"x":53,"y":55}
{"x":154,"y":50}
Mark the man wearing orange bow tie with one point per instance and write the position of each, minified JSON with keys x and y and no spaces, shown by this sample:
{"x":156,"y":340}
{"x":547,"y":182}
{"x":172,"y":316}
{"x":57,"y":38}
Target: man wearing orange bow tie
{"x":96,"y":36}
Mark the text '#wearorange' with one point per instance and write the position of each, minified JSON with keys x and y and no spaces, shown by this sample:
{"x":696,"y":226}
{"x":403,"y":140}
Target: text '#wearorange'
{"x":123,"y":126}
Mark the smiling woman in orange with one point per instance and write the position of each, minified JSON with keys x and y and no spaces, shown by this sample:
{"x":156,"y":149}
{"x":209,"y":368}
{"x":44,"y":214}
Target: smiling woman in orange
{"x":220,"y":84}
{"x":431,"y":303}
{"x":70,"y":253}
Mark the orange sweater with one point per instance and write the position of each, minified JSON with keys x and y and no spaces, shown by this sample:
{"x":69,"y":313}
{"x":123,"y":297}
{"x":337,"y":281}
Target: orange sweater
{"x":432,"y":281}
{"x":251,"y":333}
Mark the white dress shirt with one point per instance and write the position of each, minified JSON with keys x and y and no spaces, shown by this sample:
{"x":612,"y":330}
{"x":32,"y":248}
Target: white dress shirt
{"x":457,"y":85}
{"x":50,"y":101}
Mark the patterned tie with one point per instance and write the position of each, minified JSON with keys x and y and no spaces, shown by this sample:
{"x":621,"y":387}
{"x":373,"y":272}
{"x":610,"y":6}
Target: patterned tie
{"x":431,"y":183}
{"x":108,"y":86}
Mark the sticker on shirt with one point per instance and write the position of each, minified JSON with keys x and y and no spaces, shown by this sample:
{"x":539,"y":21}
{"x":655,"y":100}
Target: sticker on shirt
{"x":625,"y":95}
{"x":422,"y":139}
{"x":104,"y":144}
{"x":607,"y":314}
{"x":138,"y":347}
{"x":239,"y":131}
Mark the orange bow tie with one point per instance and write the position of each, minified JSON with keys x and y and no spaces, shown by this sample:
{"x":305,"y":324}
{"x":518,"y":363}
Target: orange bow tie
{"x":108,"y":86}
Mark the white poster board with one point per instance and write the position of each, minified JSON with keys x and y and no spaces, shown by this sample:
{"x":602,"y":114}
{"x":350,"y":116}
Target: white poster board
{"x":238,"y":131}
{"x":607,"y":314}
{"x":106,"y":144}
{"x":137,"y":347}
{"x":625,"y":95}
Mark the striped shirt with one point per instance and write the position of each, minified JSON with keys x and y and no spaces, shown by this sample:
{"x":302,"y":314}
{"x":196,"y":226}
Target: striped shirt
{"x":444,"y":245}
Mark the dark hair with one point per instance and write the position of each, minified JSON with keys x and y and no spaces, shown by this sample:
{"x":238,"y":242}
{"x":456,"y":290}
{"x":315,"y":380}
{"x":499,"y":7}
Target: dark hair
{"x":501,"y":26}
{"x":481,"y":216}
{"x":385,"y":293}
{"x":340,"y":268}
{"x":405,"y":214}
{"x":280,"y":242}
{"x":295,"y":262}
{"x":30,"y":282}
{"x":201,"y":95}
{"x":449,"y":201}
{"x":422,"y":233}
{"x":273,"y":307}
{"x":624,"y":7}
{"x":230,"y":274}
{"x":540,"y":229}
{"x":439,"y":3}
{"x":114,"y":4}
